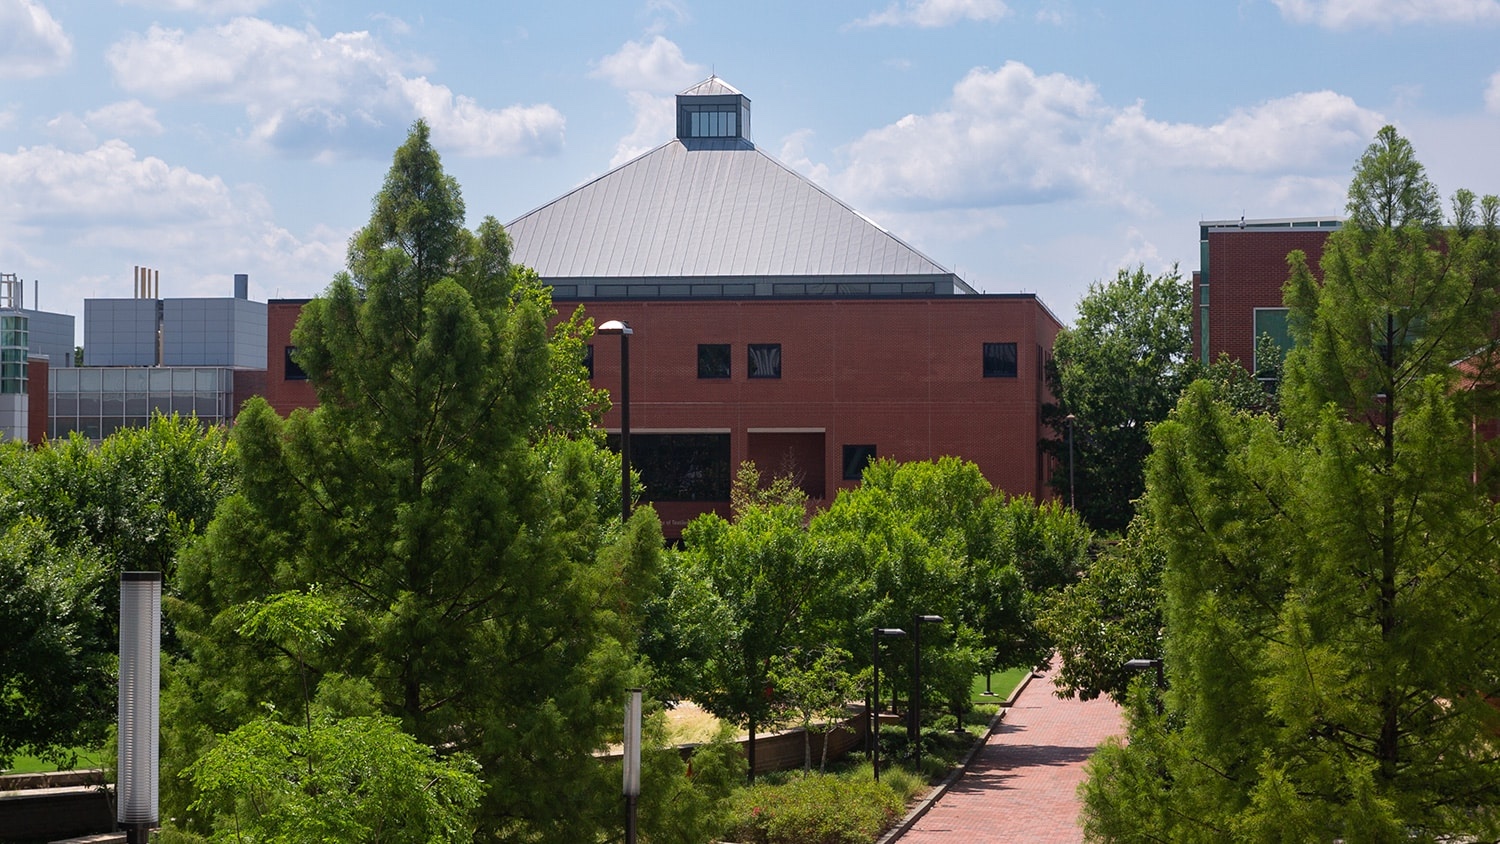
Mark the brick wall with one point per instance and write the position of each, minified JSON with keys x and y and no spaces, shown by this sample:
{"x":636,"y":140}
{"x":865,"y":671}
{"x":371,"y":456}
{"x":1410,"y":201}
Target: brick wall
{"x":285,"y":395}
{"x":36,"y":400}
{"x":904,"y":375}
{"x":1247,"y":269}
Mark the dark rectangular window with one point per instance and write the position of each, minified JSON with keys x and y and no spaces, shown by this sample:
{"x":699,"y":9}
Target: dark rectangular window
{"x":856,"y":458}
{"x":999,"y":360}
{"x":588,"y":360}
{"x":765,"y":360}
{"x":680,"y":467}
{"x":293,"y":372}
{"x":713,"y":360}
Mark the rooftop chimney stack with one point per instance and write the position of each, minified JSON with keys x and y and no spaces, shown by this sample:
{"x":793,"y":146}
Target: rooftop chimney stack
{"x":241,"y":286}
{"x":147,"y":283}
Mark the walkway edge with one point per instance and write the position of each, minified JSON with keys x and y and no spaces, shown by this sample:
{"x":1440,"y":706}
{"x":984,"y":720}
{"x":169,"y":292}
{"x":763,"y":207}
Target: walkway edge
{"x":894,"y":833}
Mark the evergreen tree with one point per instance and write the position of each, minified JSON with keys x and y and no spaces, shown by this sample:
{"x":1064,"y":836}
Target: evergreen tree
{"x":1332,"y":579}
{"x":449,"y":499}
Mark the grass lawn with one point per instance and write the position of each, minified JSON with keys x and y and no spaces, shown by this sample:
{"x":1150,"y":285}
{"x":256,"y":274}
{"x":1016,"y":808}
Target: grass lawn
{"x":33,"y":765}
{"x":1002,"y":683}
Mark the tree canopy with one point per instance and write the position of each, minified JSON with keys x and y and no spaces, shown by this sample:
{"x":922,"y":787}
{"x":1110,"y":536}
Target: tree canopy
{"x":450,"y":499}
{"x":1332,"y":576}
{"x":73,"y":515}
{"x":1118,"y":370}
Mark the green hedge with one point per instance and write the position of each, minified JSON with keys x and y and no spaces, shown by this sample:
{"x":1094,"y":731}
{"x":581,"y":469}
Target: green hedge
{"x":817,"y":809}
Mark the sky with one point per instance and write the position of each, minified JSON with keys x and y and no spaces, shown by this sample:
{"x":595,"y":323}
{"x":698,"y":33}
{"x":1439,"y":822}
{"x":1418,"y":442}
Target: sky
{"x":1029,"y":145}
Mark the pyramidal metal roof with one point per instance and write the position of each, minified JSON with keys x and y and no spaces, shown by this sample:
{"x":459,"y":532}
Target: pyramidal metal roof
{"x":707,"y":207}
{"x":712,"y":86}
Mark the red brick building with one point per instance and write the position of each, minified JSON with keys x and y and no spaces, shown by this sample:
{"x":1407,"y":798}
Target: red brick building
{"x":771,"y":322}
{"x":1241,"y":273}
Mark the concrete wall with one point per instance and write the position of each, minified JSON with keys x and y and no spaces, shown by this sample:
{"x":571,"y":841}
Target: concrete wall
{"x":119,"y":332}
{"x":48,"y":807}
{"x":213,"y":332}
{"x":52,"y":335}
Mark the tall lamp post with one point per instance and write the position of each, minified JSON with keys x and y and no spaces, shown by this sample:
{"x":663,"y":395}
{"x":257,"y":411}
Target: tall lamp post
{"x":914,"y":705}
{"x":879,"y":633}
{"x":623,"y":329}
{"x":139,"y":713}
{"x":1072,"y":498}
{"x":632,"y":759}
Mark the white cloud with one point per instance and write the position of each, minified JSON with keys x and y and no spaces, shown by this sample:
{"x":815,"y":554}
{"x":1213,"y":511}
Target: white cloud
{"x":32,"y":42}
{"x":109,"y":207}
{"x":1009,"y":137}
{"x":107,"y":183}
{"x":1307,"y":196}
{"x":664,"y":13}
{"x":7,"y":117}
{"x":1492,"y":94}
{"x":322,"y":97}
{"x":654,"y":123}
{"x":393,"y":25}
{"x":936,"y":13}
{"x":1344,"y":14}
{"x":126,"y":117}
{"x":1014,"y":137}
{"x":657,"y":66}
{"x":794,"y":155}
{"x":1297,"y":132}
{"x":203,"y":7}
{"x":1055,"y":12}
{"x":69,"y":131}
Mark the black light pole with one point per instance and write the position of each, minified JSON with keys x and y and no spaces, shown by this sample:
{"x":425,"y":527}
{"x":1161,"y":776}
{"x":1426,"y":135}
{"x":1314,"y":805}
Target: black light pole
{"x":1072,"y":498}
{"x":623,"y":329}
{"x":889,"y":632}
{"x":914,"y":704}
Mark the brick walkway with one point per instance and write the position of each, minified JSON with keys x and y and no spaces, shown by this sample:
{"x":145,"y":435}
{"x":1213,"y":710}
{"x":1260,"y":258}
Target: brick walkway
{"x":1022,"y":785}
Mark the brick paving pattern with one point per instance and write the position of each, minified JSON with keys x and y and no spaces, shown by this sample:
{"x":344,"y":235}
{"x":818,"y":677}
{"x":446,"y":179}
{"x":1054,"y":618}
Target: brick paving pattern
{"x":1022,"y":785}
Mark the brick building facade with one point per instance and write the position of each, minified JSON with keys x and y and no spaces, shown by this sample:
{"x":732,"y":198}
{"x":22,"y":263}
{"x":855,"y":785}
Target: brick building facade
{"x":1238,"y":284}
{"x":771,"y":322}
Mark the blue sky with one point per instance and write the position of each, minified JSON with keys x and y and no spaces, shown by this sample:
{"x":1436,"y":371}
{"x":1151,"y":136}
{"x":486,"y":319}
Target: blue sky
{"x":1032,"y":145}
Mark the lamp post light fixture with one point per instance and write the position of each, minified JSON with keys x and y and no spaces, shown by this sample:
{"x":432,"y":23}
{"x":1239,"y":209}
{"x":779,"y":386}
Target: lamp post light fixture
{"x":879,"y":633}
{"x":136,"y":806}
{"x":632,"y":759}
{"x":623,"y":329}
{"x":914,"y":704}
{"x":1072,"y":497}
{"x":1161,"y":675}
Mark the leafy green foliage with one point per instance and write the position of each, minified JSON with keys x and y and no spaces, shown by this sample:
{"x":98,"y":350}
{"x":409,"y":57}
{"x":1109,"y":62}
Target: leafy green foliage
{"x":1111,"y":615}
{"x":350,"y":779}
{"x":816,"y":691}
{"x":450,"y":501}
{"x":816,"y":809}
{"x":1332,"y":577}
{"x":56,"y":665}
{"x":688,"y":804}
{"x":138,"y":497}
{"x":1118,"y":370}
{"x":742,"y":595}
{"x":72,"y":516}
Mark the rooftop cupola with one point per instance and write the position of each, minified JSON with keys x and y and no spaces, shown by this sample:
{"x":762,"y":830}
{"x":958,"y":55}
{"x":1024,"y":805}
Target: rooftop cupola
{"x":713,"y":109}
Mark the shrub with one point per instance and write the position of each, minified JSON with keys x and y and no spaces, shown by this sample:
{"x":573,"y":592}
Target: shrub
{"x":816,"y":809}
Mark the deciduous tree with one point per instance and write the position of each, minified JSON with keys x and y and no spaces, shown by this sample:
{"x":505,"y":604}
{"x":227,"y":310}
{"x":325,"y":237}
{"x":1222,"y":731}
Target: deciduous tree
{"x":1118,"y":370}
